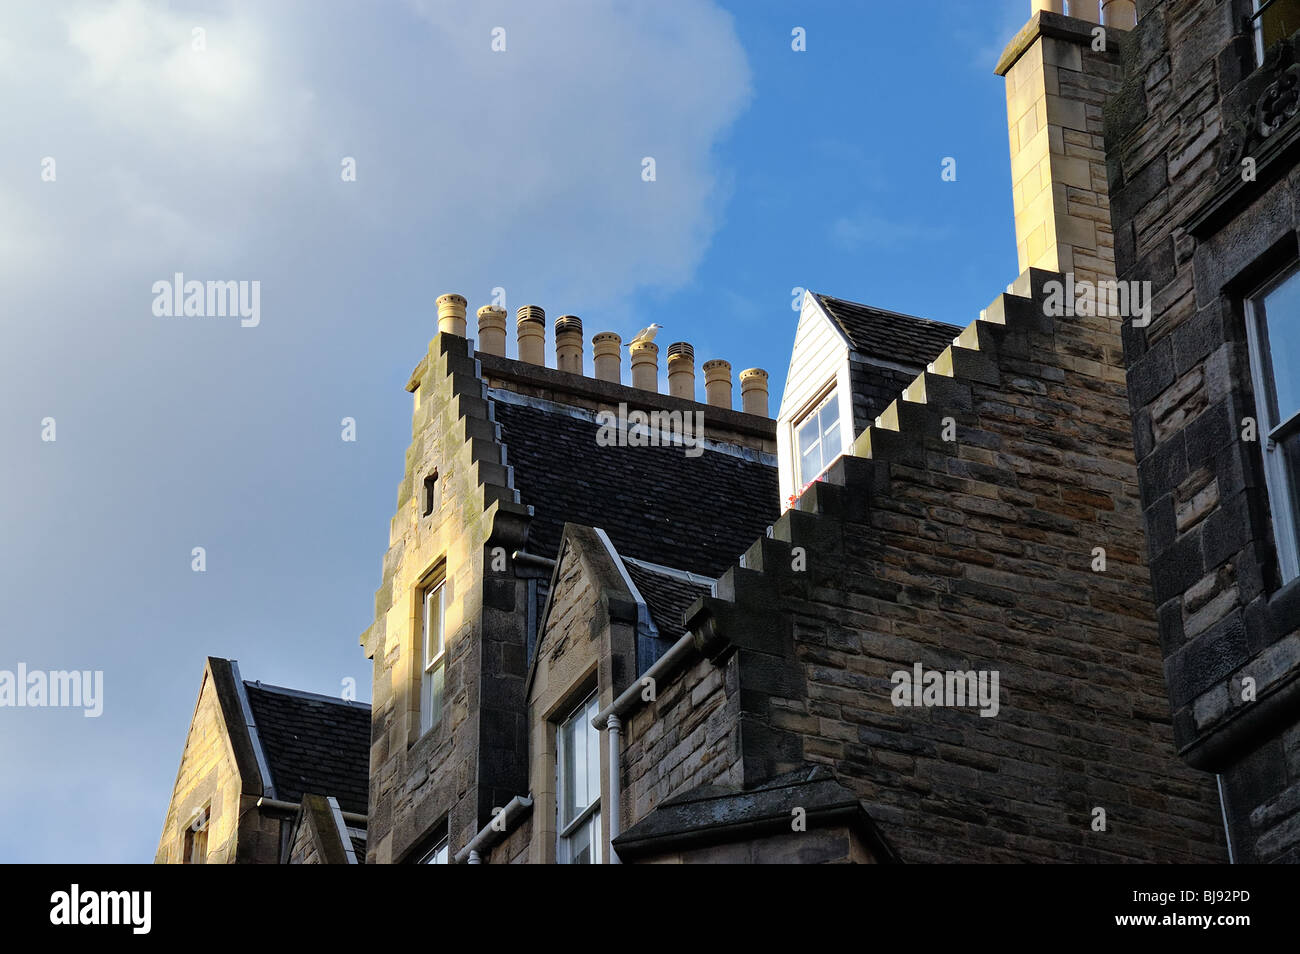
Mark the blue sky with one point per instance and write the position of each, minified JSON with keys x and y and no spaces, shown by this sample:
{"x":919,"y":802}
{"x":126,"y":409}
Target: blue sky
{"x":519,"y":169}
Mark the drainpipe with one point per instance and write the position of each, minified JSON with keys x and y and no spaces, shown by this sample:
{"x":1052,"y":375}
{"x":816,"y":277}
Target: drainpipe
{"x":615,"y":727}
{"x":491,"y":833}
{"x":1227,"y":829}
{"x":275,"y":805}
{"x":611,"y":718}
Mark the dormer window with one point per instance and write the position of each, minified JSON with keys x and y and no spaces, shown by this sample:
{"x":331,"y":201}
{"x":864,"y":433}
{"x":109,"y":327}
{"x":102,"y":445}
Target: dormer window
{"x":817,"y":438}
{"x":1273,"y":20}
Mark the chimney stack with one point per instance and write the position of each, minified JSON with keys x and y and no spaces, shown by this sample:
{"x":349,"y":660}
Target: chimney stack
{"x":681,"y":370}
{"x":568,"y":344}
{"x":530,"y":322}
{"x":607,"y":357}
{"x":717,"y":383}
{"x":492,"y":330}
{"x":451,"y":315}
{"x":1055,"y":83}
{"x":753,"y":391}
{"x":645,"y":365}
{"x":1051,"y":6}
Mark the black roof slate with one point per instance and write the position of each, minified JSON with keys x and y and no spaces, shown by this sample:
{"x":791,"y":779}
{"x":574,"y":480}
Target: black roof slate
{"x":667,"y":597}
{"x":313,"y":744}
{"x":655,"y":503}
{"x":889,"y":334}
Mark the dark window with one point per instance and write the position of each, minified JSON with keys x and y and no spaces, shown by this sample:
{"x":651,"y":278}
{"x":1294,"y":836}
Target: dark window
{"x":1273,"y":335}
{"x":1272,"y":21}
{"x":432,"y":494}
{"x":196,"y":838}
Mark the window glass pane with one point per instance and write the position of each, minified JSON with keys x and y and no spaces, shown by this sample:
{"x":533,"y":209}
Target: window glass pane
{"x":568,"y":775}
{"x":435,"y":693}
{"x":580,"y":846}
{"x":593,"y":753}
{"x":831,"y":442}
{"x":810,"y":464}
{"x":1290,"y":450}
{"x":830,"y":413}
{"x":807,"y":435}
{"x":439,"y":855}
{"x":1281,"y":324}
{"x":593,"y":837}
{"x":432,"y":624}
{"x":579,"y":767}
{"x":1279,"y":21}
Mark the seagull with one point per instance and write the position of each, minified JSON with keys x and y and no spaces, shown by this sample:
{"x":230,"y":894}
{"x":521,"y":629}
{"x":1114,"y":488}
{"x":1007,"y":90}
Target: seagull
{"x":646,"y":334}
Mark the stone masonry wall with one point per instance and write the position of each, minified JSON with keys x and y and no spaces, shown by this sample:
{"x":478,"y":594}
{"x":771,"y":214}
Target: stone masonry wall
{"x":686,"y":737}
{"x":1173,"y":141}
{"x":976,"y":554}
{"x":475,"y":757}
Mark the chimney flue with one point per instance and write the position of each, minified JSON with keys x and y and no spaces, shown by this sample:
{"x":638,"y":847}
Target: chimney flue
{"x":753,"y":391}
{"x":681,"y":370}
{"x":645,"y":365}
{"x":717,"y":383}
{"x":451,"y":315}
{"x":492,"y":330}
{"x":568,"y":344}
{"x":607,"y":357}
{"x":530,"y":322}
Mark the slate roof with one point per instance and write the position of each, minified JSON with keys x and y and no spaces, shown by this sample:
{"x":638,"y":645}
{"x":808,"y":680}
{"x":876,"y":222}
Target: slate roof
{"x":889,"y":334}
{"x":313,"y":744}
{"x":655,"y":503}
{"x":667,"y":597}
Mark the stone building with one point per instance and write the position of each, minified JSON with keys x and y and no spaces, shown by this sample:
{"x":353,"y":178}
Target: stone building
{"x":1203,"y":138}
{"x":910,"y":619}
{"x":268,"y":776}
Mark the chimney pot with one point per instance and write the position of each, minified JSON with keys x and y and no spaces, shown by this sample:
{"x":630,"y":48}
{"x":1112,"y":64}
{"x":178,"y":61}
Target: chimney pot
{"x":681,"y":370}
{"x":645,"y":365}
{"x":753,"y":391}
{"x":607,"y":357}
{"x":717,"y":383}
{"x":530,"y":324}
{"x":451,"y":315}
{"x":568,"y":343}
{"x":1051,"y":6}
{"x":492,"y":330}
{"x":1121,"y":14}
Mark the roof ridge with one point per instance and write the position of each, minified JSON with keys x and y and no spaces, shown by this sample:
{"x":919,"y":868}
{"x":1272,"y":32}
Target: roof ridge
{"x":887,"y":311}
{"x":686,"y":576}
{"x":303,"y":694}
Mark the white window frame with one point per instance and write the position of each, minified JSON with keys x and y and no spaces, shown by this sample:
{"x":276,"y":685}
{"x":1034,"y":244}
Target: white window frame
{"x":431,"y":714}
{"x":439,"y":854}
{"x":1277,"y":476}
{"x":827,"y":398}
{"x":589,"y":817}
